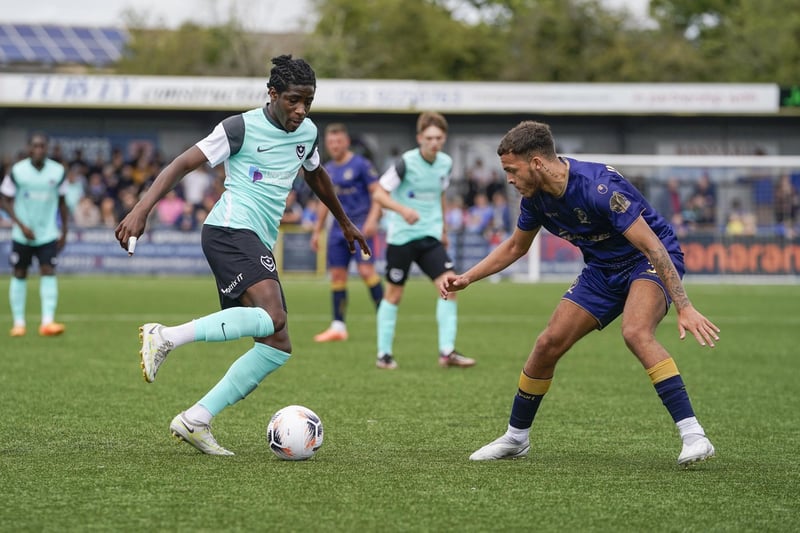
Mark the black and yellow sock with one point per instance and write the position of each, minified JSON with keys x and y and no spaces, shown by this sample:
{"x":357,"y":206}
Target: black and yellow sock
{"x":375,"y":289}
{"x":339,"y":293}
{"x":526,"y":402}
{"x":670,"y":388}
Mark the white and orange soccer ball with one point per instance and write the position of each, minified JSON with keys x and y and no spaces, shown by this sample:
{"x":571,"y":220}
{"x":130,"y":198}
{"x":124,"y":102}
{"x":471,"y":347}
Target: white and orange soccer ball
{"x":294,"y":433}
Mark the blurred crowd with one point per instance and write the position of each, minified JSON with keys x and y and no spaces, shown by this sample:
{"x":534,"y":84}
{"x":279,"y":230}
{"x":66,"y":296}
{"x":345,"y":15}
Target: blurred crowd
{"x":101,"y":192}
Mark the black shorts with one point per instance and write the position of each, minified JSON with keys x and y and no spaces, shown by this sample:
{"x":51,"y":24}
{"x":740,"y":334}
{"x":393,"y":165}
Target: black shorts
{"x":429,"y":253}
{"x":22,"y":255}
{"x":239,"y":260}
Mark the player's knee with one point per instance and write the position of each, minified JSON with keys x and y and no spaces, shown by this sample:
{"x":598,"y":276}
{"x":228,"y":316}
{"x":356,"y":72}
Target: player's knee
{"x":278,"y":319}
{"x":549,"y":347}
{"x":635,"y":336}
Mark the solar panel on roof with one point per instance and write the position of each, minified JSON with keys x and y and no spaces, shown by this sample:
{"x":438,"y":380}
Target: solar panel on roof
{"x":54,"y":31}
{"x":11,"y":53}
{"x":84,"y":33}
{"x":25,"y":31}
{"x":51,"y":43}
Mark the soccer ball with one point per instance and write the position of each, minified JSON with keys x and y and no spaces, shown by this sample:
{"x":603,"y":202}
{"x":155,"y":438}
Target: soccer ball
{"x":294,"y":433}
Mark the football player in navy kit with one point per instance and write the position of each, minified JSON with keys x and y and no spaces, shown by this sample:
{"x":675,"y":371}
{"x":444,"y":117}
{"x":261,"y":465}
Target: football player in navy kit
{"x":634,"y":266}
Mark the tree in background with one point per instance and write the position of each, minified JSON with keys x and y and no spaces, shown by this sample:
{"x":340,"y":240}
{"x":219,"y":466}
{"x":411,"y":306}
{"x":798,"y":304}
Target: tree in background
{"x":497,"y":40}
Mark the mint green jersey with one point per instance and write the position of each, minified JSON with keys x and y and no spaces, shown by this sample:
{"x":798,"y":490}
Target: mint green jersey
{"x":36,"y":195}
{"x":261,"y":162}
{"x":418,"y":184}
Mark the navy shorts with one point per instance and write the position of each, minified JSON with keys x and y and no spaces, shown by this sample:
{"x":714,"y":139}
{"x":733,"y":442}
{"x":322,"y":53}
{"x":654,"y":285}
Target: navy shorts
{"x":339,"y":254}
{"x":239,"y":260}
{"x":22,"y":255}
{"x":429,"y":253}
{"x":602,"y":292}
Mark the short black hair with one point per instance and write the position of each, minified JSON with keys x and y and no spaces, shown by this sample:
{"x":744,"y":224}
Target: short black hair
{"x":41,"y":134}
{"x":287,"y":71}
{"x":528,"y":138}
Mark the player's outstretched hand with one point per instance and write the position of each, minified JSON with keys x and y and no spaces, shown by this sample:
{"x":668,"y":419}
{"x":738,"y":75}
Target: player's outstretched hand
{"x":451,"y":282}
{"x":690,"y":319}
{"x":353,"y":235}
{"x":130,"y":226}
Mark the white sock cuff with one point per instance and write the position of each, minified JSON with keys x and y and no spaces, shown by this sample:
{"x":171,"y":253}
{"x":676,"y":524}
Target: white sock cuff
{"x":690,"y":426}
{"x":517,"y":434}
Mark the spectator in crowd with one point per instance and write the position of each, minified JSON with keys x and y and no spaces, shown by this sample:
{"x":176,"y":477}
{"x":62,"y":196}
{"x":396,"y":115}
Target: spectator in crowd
{"x":479,"y":215}
{"x":702,"y":205}
{"x":75,"y":186}
{"x":87,"y":213}
{"x":310,"y":214}
{"x":670,"y":205}
{"x":169,"y":208}
{"x":455,"y":215}
{"x":186,"y":220}
{"x":79,"y":161}
{"x":293,"y":212}
{"x":96,"y":188}
{"x":739,"y":220}
{"x":787,"y":203}
{"x":108,"y":212}
{"x":479,"y":177}
{"x":500,"y":225}
{"x":195,"y":184}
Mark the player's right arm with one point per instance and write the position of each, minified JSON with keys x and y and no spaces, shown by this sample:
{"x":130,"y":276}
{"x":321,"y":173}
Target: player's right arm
{"x":506,"y":253}
{"x":8,"y":191}
{"x":389,"y":182}
{"x":134,"y":222}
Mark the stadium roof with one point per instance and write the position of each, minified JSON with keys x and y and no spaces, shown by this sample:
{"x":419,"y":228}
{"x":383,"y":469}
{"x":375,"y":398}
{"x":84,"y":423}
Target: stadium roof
{"x":52,"y":44}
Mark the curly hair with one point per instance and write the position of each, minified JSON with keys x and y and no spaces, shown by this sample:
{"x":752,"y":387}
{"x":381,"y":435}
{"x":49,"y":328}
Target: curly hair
{"x":527,"y":139}
{"x":287,"y":71}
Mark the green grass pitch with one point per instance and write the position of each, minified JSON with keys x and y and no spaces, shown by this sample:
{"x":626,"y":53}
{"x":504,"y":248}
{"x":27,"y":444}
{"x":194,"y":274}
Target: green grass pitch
{"x":84,"y":444}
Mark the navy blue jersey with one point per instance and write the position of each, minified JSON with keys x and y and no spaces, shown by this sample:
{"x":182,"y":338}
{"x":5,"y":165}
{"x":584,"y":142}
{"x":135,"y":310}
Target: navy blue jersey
{"x":598,"y":206}
{"x":351,"y":181}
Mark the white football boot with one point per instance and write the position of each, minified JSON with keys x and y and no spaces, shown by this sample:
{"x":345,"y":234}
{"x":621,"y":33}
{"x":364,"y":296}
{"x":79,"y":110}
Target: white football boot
{"x":154,"y":349}
{"x":699,"y":450}
{"x":502,"y":448}
{"x":197,"y":435}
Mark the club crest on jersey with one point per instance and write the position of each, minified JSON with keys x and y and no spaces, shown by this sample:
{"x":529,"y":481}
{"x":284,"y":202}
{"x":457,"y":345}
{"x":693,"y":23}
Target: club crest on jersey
{"x":348,"y":174}
{"x":268,"y":262}
{"x":300,"y":150}
{"x":619,"y":203}
{"x":583,"y":218}
{"x":602,"y":189}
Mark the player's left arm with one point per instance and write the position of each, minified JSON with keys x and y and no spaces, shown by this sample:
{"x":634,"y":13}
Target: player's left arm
{"x":63,"y":211}
{"x":689,"y":319}
{"x":445,"y":240}
{"x":375,"y":210}
{"x":320,"y":182}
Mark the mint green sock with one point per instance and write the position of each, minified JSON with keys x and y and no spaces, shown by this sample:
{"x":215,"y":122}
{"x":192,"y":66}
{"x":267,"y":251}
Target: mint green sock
{"x":233,"y":323}
{"x":243,"y":377}
{"x":387,"y":319}
{"x":447,"y":319}
{"x":48,"y":293}
{"x":17,"y":294}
